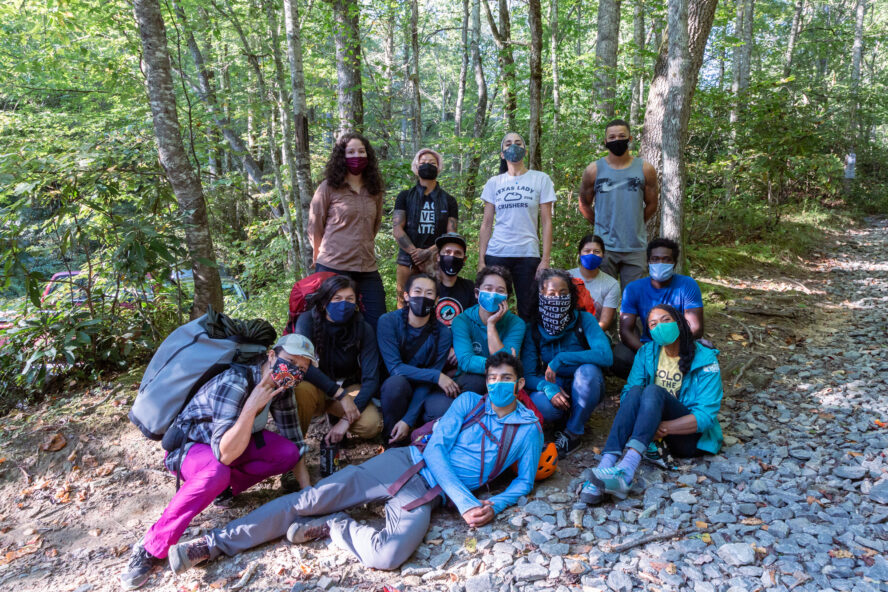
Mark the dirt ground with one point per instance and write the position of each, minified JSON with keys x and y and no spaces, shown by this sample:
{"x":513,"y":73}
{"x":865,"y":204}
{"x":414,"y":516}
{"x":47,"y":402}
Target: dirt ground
{"x":79,"y":484}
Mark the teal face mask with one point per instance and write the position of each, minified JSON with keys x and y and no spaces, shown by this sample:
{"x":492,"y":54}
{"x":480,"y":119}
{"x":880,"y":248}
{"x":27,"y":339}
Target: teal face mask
{"x":665,"y":333}
{"x":501,"y":393}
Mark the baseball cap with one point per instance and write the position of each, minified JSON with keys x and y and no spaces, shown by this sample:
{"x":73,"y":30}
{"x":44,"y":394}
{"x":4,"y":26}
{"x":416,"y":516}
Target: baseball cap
{"x":297,"y":345}
{"x":450,"y":237}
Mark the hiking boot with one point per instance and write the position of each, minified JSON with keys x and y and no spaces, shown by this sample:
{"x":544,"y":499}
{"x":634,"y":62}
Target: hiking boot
{"x":302,"y":532}
{"x":566,"y":445}
{"x":289,"y":483}
{"x":184,"y":556}
{"x":224,"y":499}
{"x":590,"y":494}
{"x":139,"y":568}
{"x":612,"y":480}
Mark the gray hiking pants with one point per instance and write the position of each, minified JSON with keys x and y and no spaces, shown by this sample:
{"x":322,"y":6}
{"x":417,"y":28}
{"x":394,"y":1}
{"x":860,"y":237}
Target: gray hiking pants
{"x":351,"y":486}
{"x":625,"y":267}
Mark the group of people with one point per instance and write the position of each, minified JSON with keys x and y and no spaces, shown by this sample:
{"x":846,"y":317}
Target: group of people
{"x":458,"y":386}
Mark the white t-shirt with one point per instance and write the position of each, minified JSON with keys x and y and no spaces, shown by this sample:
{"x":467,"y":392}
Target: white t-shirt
{"x":604,"y":289}
{"x":517,"y":202}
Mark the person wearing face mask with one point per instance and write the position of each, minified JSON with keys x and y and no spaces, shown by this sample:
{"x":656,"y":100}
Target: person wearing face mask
{"x":517,"y":202}
{"x":476,"y":440}
{"x":422,"y":214}
{"x":618,"y":195}
{"x":347,"y":377}
{"x":604,"y":289}
{"x":223,"y":447}
{"x":486,"y":328}
{"x":414,"y":347}
{"x":564,"y":354}
{"x":455,"y":294}
{"x":673,"y":394}
{"x":664,"y":286}
{"x":344,"y":218}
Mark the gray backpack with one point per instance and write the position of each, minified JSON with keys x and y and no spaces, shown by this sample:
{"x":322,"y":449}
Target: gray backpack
{"x":188,"y":358}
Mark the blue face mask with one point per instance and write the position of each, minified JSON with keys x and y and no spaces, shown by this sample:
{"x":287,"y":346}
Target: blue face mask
{"x":661,"y":272}
{"x":490,"y":301}
{"x":591,"y":261}
{"x":501,"y":393}
{"x":342,"y":311}
{"x":514,"y":153}
{"x":665,"y":333}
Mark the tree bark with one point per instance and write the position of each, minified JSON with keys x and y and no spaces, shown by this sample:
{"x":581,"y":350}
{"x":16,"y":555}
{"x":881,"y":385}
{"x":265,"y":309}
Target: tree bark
{"x":793,"y":37}
{"x":675,"y":125}
{"x":414,"y":76}
{"x":742,"y":54}
{"x":637,"y":65}
{"x":553,"y":57}
{"x":388,"y":61}
{"x":347,"y":37}
{"x":461,"y":91}
{"x":502,"y":36}
{"x":481,"y":108}
{"x":856,"y":59}
{"x":534,"y":140}
{"x":171,"y":152}
{"x":606,"y":57}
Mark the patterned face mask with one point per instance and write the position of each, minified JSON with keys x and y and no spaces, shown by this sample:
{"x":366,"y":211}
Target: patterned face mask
{"x":554,"y":313}
{"x":285,"y":373}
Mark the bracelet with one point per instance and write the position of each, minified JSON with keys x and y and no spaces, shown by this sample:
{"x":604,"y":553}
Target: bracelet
{"x":340,"y":396}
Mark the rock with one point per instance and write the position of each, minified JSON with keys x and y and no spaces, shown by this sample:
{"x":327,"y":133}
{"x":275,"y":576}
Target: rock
{"x":618,"y":581}
{"x":480,"y":583}
{"x":850,"y":472}
{"x":539,"y":508}
{"x":736,"y":554}
{"x":530,"y":572}
{"x":747,"y":509}
{"x":438,"y":561}
{"x":551,"y":549}
{"x":683,"y":496}
{"x":879,"y":569}
{"x":83,"y":588}
{"x":325,"y":583}
{"x":801,"y":453}
{"x":879,"y":493}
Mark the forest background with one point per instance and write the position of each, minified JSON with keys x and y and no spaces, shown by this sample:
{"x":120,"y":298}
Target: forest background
{"x":139,"y":140}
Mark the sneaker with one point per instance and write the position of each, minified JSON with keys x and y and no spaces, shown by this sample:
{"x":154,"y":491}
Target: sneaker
{"x":302,"y":532}
{"x":590,"y":494}
{"x":657,"y":455}
{"x":184,"y":556}
{"x":612,"y":480}
{"x":566,"y":445}
{"x":139,"y":568}
{"x":224,"y":499}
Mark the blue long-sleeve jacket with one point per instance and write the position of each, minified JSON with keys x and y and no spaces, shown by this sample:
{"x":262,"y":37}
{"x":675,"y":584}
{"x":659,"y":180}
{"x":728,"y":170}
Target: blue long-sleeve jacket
{"x":453,"y":455}
{"x":564,"y":352}
{"x":470,"y":339}
{"x":424,"y":369}
{"x":701,"y":389}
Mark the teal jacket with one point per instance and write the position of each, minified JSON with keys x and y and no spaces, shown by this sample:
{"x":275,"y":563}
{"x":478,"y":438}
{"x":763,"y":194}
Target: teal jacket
{"x":470,"y":339}
{"x":701,"y":389}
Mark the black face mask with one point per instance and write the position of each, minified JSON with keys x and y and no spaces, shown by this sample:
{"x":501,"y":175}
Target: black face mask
{"x":617,"y":147}
{"x":427,"y":171}
{"x":450,"y":264}
{"x":420,"y":305}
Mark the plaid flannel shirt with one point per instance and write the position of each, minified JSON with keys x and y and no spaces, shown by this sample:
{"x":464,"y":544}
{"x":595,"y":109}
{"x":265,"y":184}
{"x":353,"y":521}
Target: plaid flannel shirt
{"x":216,"y":407}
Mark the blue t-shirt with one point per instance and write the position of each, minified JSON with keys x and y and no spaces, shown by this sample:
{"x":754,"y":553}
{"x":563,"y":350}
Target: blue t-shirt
{"x":640,"y":297}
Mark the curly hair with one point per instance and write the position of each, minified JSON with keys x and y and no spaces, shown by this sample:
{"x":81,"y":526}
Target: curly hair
{"x":664,"y":242}
{"x":335,"y":171}
{"x":546,"y":275}
{"x":686,"y":344}
{"x":495,"y":270}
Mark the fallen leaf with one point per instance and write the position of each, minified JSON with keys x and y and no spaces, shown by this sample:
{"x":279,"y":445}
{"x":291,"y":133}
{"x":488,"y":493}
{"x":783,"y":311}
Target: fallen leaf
{"x":2,"y":459}
{"x":735,"y":337}
{"x":54,"y":444}
{"x":855,"y":453}
{"x":471,"y":544}
{"x":105,"y":469}
{"x":751,"y":521}
{"x":21,"y":552}
{"x":706,"y":538}
{"x":219,"y":583}
{"x":841,"y":554}
{"x":701,"y":524}
{"x":95,"y":532}
{"x":671,"y":569}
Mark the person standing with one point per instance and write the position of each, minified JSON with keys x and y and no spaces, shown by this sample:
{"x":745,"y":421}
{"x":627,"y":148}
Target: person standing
{"x":618,"y":195}
{"x":344,"y":218}
{"x":422,"y":214}
{"x":519,"y":200}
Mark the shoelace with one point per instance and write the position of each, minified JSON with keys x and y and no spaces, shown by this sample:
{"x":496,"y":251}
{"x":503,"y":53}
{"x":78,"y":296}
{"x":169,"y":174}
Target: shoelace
{"x":561,"y":440}
{"x":612,"y":472}
{"x":139,"y":557}
{"x":588,"y":485}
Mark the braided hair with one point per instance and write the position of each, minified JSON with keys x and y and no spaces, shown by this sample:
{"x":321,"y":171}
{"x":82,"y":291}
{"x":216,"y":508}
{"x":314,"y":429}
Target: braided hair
{"x":687,"y":346}
{"x":321,"y":335}
{"x":433,"y":318}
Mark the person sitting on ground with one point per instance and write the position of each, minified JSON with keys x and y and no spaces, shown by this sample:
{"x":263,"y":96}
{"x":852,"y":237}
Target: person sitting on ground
{"x":475,"y":440}
{"x":455,"y":294}
{"x":673,"y":394}
{"x":347,"y":355}
{"x":414,"y":347}
{"x":486,"y":328}
{"x":224,"y":445}
{"x":664,"y":286}
{"x":422,"y":214}
{"x":564,"y":352}
{"x":604,"y":289}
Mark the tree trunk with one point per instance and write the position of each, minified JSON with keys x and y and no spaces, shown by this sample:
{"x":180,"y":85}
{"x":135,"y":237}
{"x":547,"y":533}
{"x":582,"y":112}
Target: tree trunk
{"x":461,"y":90}
{"x":606,"y":57}
{"x":793,"y":37}
{"x":553,"y":57}
{"x":502,"y":36}
{"x":481,"y":109}
{"x":856,"y":59}
{"x":388,"y":61}
{"x":534,"y":140}
{"x":414,"y":76}
{"x":301,"y":151}
{"x":742,"y":55}
{"x":171,"y":152}
{"x":637,"y":65}
{"x":674,"y":124}
{"x":348,"y":65}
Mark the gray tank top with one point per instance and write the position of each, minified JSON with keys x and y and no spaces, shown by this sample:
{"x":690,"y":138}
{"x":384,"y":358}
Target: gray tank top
{"x":619,"y":206}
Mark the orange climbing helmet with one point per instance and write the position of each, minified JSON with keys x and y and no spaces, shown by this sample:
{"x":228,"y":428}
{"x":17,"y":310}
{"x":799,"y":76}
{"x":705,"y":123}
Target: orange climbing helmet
{"x":548,"y":462}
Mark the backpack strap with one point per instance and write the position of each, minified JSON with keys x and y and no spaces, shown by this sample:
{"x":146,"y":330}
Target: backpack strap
{"x":505,"y":446}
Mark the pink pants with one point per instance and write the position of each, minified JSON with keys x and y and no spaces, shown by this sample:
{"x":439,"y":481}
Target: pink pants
{"x":205,"y":478}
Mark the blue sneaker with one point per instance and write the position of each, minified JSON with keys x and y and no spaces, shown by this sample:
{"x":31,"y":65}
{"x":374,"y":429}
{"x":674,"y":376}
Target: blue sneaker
{"x":590,"y":494}
{"x":613,"y":481}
